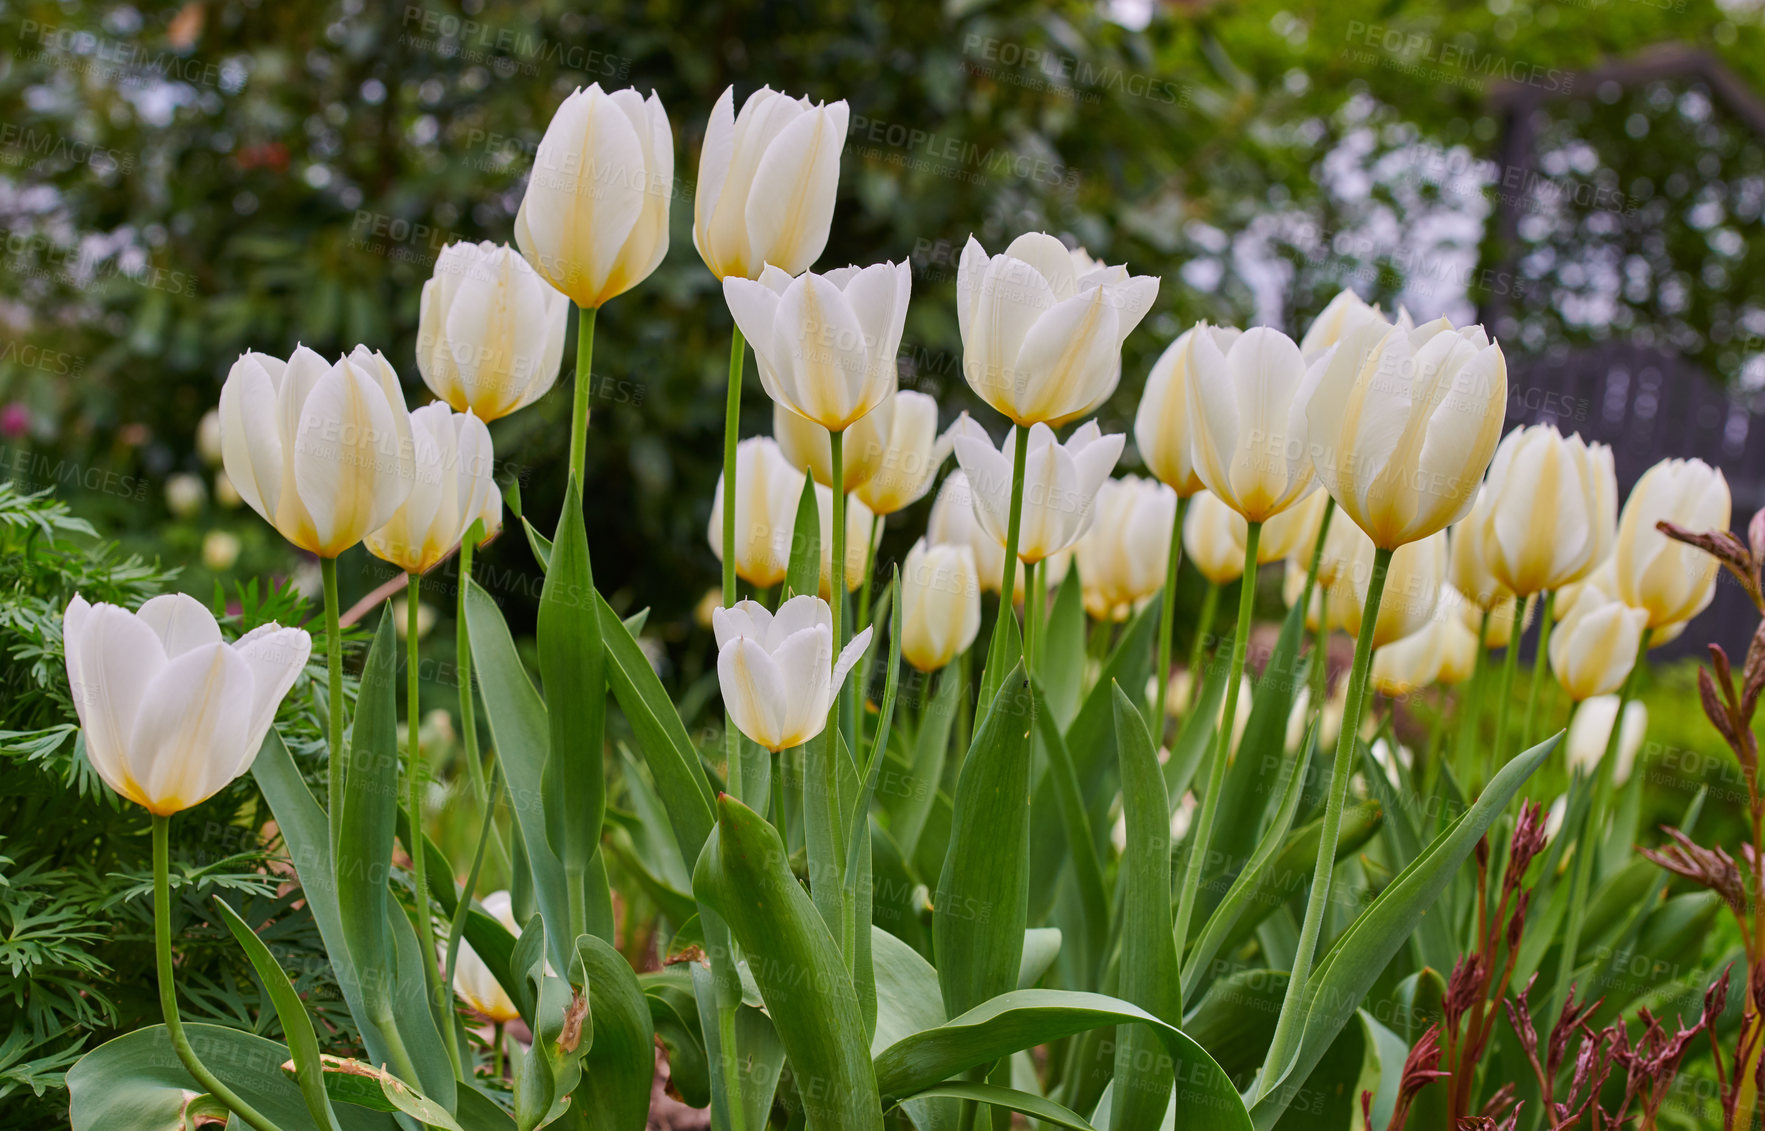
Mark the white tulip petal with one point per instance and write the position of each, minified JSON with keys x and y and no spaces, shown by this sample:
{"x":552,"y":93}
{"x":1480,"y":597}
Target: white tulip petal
{"x":754,"y":691}
{"x":181,"y":622}
{"x":195,"y":717}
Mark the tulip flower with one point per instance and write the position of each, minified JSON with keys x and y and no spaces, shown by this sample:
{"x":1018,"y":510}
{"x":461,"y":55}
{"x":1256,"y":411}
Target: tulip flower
{"x":1041,"y":342}
{"x":594,"y":220}
{"x":1060,"y":485}
{"x":1291,"y":534}
{"x":1604,"y":581}
{"x":1208,"y":539}
{"x":1414,"y":581}
{"x":1344,"y":313}
{"x":453,"y":464}
{"x":1468,"y":562}
{"x":778,"y":673}
{"x":490,"y":332}
{"x":808,"y":446}
{"x":940,"y":604}
{"x":1412,"y":663}
{"x":1595,"y":647}
{"x":185,"y":492}
{"x":323,"y":452}
{"x":826,"y":343}
{"x":1122,"y":558}
{"x":1552,"y":509}
{"x":1248,"y":403}
{"x":1403,"y":423}
{"x":491,"y":513}
{"x":954,"y":520}
{"x":861,"y":534}
{"x":905,"y":457}
{"x":1590,"y":734}
{"x":767,"y":179}
{"x":1163,"y":426}
{"x":765,"y":512}
{"x":1670,"y":580}
{"x":171,"y":713}
{"x":1458,"y":652}
{"x":474,"y":982}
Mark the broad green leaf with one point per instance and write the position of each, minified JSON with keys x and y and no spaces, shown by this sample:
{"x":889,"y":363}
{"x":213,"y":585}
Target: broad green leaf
{"x":803,"y":574}
{"x":908,"y":1000}
{"x":1010,"y":1099}
{"x":1062,"y":660}
{"x":859,"y":887}
{"x":303,"y":1042}
{"x":744,"y":875}
{"x":618,"y":1068}
{"x":1235,"y":1020}
{"x":1004,"y":650}
{"x":1041,"y":946}
{"x":1025,"y":1018}
{"x":1091,"y":737}
{"x":1291,"y":869}
{"x":491,"y":941}
{"x":674,"y":1013}
{"x":1081,"y":843}
{"x":931,"y":748}
{"x":356,"y":1082}
{"x":572,"y":669}
{"x":1148,"y":966}
{"x":983,"y":891}
{"x":137,"y":1083}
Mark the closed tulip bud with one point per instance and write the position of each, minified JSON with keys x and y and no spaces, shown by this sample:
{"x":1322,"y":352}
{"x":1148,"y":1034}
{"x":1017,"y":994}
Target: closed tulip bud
{"x":1059,"y":489}
{"x":940,"y":604}
{"x":826,"y":344}
{"x":778,"y":672}
{"x":491,"y":513}
{"x":1594,"y":648}
{"x":905,"y":457}
{"x":767,"y":180}
{"x":322,"y":452}
{"x":769,"y":489}
{"x":1344,"y":313}
{"x":594,"y":220}
{"x":1552,"y":509}
{"x":862,"y":532}
{"x":1412,"y":663}
{"x":490,"y":332}
{"x":1413,"y":585}
{"x":1403,"y":425}
{"x":1604,"y":582}
{"x":474,"y":982}
{"x":1041,"y":342}
{"x":1672,"y":581}
{"x":1591,"y":729}
{"x":1468,"y":560}
{"x":1248,"y":404}
{"x":807,"y":445}
{"x":1122,"y":558}
{"x":171,"y":713}
{"x":1163,"y":426}
{"x":1458,"y":652}
{"x":1207,"y":540}
{"x":453,"y":462}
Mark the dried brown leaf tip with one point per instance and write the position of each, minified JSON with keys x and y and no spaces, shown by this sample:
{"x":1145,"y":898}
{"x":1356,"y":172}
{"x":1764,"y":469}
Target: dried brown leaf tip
{"x":1527,"y":843}
{"x":1713,"y":868}
{"x":1738,"y":557}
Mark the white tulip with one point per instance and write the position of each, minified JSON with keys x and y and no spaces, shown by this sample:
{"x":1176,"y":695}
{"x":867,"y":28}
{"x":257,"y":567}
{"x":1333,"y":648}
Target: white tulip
{"x":490,"y":332}
{"x":170,"y":713}
{"x":1595,"y":647}
{"x":473,"y":981}
{"x":769,"y":489}
{"x":594,"y":220}
{"x":185,"y":492}
{"x":953,"y":520}
{"x":1208,"y":543}
{"x":1412,"y":663}
{"x":1458,"y":651}
{"x":767,"y":180}
{"x":940,"y":604}
{"x":1414,"y":582}
{"x":778,"y":673}
{"x":453,"y":465}
{"x":1060,"y":485}
{"x":1604,"y":582}
{"x":322,"y":452}
{"x":826,"y":344}
{"x":1403,"y":423}
{"x":1249,"y":406}
{"x":1468,"y":560}
{"x":862,"y":532}
{"x":808,"y":446}
{"x":491,"y":513}
{"x":1591,"y":729}
{"x":1552,"y":509}
{"x":1040,"y":342}
{"x":1344,"y":313}
{"x":1123,"y":557}
{"x":1671,"y":580}
{"x":906,"y":456}
{"x":1163,"y":425}
{"x":1291,"y":534}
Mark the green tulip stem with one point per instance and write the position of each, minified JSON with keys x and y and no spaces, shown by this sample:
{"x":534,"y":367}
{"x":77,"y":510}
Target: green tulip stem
{"x":1014,"y":525}
{"x":334,"y":697}
{"x":861,"y":616}
{"x":1032,"y":615}
{"x":579,"y":400}
{"x":1202,"y":832}
{"x":496,"y":1047}
{"x":732,"y":427}
{"x":1320,"y":673}
{"x":463,"y":666}
{"x":1210,"y":604}
{"x":168,"y":992}
{"x":416,"y":772}
{"x":836,"y":579}
{"x":1498,"y":751}
{"x":1167,"y":610}
{"x":1293,"y":1007}
{"x":1540,"y":661}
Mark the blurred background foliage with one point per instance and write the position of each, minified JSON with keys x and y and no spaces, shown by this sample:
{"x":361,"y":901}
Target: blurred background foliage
{"x":181,"y":182}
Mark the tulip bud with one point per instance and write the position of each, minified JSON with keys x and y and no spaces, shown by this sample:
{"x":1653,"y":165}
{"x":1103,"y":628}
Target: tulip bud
{"x":1249,"y":407}
{"x":323,"y":453}
{"x":1413,"y":584}
{"x":826,"y":344}
{"x":1163,"y":426}
{"x":594,"y":220}
{"x":768,"y":490}
{"x":490,"y":514}
{"x":1591,"y":729}
{"x":940,"y":604}
{"x":807,"y":445}
{"x":1458,"y":652}
{"x":1412,"y":663}
{"x":1040,"y":342}
{"x":1122,"y":558}
{"x":767,"y":180}
{"x":1060,"y":485}
{"x":1672,"y":581}
{"x":171,"y":714}
{"x":905,"y":457}
{"x":1403,"y":424}
{"x":1604,"y":582}
{"x":474,"y":982}
{"x":1552,"y":508}
{"x":453,"y":461}
{"x":490,"y":332}
{"x":1468,"y":559}
{"x":774,"y":669}
{"x":1594,"y":648}
{"x":1207,"y":539}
